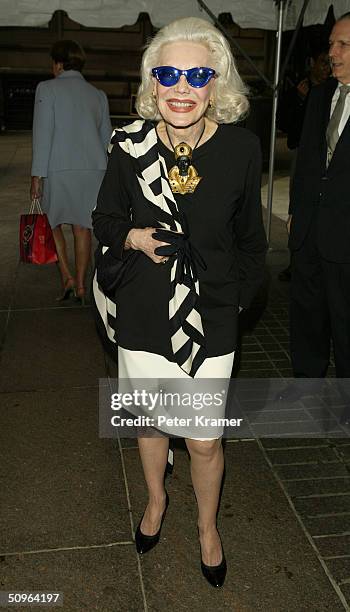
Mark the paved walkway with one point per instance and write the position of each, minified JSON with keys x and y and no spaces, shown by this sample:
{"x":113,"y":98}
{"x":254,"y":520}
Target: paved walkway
{"x":70,"y":501}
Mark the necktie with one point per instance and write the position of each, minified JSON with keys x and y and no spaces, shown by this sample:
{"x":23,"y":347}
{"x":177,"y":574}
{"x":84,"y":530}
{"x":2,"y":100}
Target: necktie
{"x":332,"y":133}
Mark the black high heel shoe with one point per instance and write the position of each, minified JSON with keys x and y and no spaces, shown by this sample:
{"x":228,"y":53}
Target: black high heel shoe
{"x":68,"y":290}
{"x":214,"y":574}
{"x":79,"y":294}
{"x":143,"y":542}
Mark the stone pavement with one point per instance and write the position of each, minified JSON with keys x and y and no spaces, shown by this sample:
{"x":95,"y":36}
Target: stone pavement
{"x":70,"y":500}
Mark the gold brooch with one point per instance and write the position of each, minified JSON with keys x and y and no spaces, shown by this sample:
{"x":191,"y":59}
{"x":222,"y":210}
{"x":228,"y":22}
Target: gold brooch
{"x":183,"y":177}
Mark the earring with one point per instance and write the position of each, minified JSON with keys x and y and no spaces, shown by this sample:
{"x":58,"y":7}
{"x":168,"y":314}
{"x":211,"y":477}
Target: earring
{"x":211,"y":104}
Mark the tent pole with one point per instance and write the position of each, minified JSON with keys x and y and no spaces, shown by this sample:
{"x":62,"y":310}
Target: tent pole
{"x":273,"y":120}
{"x":293,"y":41}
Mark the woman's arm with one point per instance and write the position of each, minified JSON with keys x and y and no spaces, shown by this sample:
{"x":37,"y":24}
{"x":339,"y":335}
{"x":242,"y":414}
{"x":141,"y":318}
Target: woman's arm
{"x":43,"y":129}
{"x":251,"y":244}
{"x":105,"y":127}
{"x":111,"y":218}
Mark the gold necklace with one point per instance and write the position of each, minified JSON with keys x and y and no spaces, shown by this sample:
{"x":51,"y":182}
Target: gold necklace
{"x":183,"y":177}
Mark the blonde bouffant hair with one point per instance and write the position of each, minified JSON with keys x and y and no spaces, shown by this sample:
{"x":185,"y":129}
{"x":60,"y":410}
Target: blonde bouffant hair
{"x":230,"y":103}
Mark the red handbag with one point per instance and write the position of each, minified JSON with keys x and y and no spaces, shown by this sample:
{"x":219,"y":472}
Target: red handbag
{"x":36,"y":242}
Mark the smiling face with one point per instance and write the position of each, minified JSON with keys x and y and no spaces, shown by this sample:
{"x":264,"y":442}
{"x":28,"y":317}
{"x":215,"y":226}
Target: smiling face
{"x":339,"y":51}
{"x":182,"y":105}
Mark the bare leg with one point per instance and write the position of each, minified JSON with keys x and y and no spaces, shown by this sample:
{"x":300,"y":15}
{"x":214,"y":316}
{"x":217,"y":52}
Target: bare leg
{"x":82,"y":249}
{"x":61,"y":249}
{"x":154,"y":455}
{"x":207,"y":466}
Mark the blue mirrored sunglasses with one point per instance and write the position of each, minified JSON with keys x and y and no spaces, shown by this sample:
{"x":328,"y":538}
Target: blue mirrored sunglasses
{"x":196,"y":77}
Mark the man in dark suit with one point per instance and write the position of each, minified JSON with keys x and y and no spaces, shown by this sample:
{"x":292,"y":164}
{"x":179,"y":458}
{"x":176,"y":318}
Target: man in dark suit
{"x":320,"y":223}
{"x":292,"y":112}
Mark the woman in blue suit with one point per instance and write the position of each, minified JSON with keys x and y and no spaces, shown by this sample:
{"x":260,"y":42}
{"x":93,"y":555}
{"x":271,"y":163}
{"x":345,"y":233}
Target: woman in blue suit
{"x":71,"y":132}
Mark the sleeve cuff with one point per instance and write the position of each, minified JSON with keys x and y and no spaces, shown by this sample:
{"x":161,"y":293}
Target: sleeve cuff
{"x":117,"y":249}
{"x":40,"y":173}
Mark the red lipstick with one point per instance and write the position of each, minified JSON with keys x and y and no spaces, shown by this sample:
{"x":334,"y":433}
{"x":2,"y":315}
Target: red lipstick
{"x":181,"y":105}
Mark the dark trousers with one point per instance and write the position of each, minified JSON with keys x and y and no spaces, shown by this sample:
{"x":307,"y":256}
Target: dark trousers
{"x":319,"y":312}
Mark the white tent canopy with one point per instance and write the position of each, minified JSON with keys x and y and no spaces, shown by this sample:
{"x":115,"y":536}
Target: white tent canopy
{"x":117,"y":13}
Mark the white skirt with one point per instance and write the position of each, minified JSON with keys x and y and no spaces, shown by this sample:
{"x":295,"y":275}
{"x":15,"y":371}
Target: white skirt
{"x":177,"y":404}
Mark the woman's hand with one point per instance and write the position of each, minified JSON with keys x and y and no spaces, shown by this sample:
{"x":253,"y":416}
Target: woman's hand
{"x":141,"y":240}
{"x":36,"y":188}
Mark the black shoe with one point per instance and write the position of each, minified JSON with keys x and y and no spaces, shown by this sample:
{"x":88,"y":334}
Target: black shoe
{"x":345,"y":417}
{"x":215,"y":574}
{"x":79,"y":294}
{"x":301,"y":387}
{"x":68,"y":290}
{"x":285,"y":275}
{"x":291,"y":393}
{"x":143,"y":542}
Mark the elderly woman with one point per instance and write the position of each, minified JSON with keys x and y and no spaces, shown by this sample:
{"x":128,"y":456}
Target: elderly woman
{"x":71,"y":131}
{"x":180,"y":206}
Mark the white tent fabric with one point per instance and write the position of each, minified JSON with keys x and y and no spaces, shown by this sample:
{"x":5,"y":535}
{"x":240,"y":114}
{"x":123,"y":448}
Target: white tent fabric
{"x":316,"y":12}
{"x":117,"y":13}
